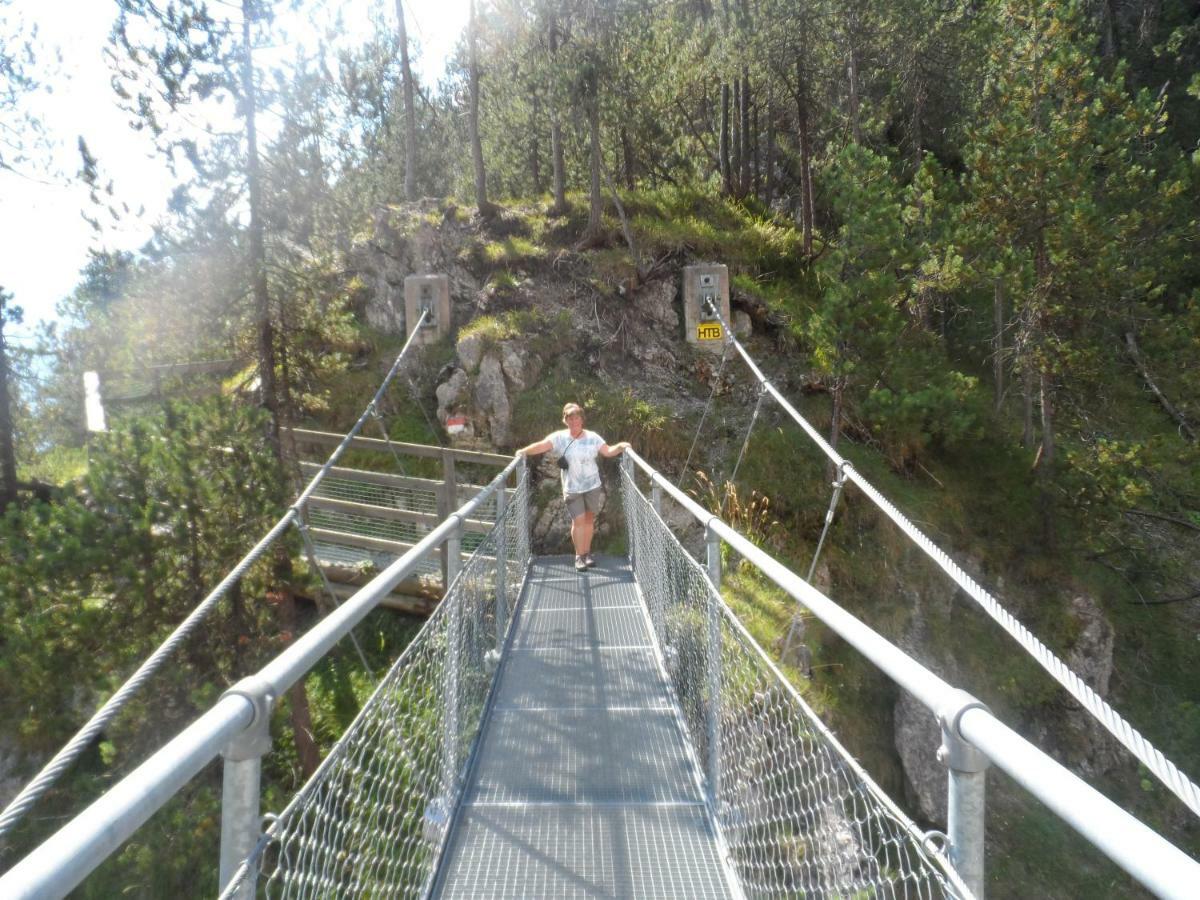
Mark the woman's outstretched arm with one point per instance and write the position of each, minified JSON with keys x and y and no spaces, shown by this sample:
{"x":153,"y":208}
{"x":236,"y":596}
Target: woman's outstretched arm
{"x":536,"y":447}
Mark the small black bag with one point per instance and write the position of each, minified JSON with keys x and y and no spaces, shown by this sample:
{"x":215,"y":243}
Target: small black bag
{"x":562,"y":460}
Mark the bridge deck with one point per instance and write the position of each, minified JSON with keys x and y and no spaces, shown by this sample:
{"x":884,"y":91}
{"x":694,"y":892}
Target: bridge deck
{"x":583,"y":785}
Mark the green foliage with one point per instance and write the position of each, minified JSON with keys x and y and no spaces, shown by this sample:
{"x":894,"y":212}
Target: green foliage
{"x":707,"y":225}
{"x":751,"y":516}
{"x":942,"y":410}
{"x":129,"y":553}
{"x":541,"y":333}
{"x":512,"y":251}
{"x":1107,"y":477}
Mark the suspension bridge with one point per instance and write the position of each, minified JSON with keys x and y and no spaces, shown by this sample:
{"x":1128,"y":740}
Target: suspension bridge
{"x":616,"y":733}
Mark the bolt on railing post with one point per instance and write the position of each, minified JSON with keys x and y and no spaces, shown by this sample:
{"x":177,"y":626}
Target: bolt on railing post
{"x":501,"y":564}
{"x":241,"y":785}
{"x":966,"y":800}
{"x":713,"y":646}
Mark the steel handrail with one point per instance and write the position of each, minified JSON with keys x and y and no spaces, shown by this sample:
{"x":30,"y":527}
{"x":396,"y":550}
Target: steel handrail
{"x":1139,"y":850}
{"x":67,"y":857}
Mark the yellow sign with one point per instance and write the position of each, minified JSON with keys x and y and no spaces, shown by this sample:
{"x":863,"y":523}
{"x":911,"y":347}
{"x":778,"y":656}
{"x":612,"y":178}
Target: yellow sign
{"x":709,"y":331}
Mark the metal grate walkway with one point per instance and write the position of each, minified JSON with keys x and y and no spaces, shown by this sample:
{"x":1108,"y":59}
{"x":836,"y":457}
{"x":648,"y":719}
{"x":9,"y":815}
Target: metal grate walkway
{"x":583,"y":784}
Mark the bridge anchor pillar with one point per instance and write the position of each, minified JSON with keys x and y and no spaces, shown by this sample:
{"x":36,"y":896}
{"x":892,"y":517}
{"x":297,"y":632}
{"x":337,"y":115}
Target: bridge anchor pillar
{"x":966,"y":801}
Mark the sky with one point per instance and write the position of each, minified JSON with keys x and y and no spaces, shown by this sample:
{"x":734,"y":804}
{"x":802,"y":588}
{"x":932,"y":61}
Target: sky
{"x":44,"y":239}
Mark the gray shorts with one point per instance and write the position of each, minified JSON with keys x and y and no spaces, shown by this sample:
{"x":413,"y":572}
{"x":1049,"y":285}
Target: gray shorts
{"x":588,"y":501}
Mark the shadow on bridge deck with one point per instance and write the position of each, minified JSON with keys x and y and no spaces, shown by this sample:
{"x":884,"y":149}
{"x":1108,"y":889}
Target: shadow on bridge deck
{"x":583,"y":784}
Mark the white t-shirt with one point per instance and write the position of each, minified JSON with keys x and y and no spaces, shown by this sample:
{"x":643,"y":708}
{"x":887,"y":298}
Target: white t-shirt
{"x":583,"y":474}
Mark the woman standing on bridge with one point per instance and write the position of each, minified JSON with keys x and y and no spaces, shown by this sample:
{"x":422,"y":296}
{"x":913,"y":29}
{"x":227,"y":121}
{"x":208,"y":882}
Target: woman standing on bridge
{"x":577,"y":450}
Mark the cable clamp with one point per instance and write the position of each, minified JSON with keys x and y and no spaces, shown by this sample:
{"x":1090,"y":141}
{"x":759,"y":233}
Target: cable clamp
{"x":255,"y":739}
{"x":956,"y":752}
{"x":709,"y":533}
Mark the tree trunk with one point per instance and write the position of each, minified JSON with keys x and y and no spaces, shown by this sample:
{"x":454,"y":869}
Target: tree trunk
{"x":735,"y":173}
{"x":755,"y":167}
{"x":302,"y":727}
{"x":535,"y":156}
{"x":918,"y":137}
{"x":258,"y":257}
{"x":1046,"y":470}
{"x":837,"y":395}
{"x":481,"y":200}
{"x":410,"y":111}
{"x":769,"y":161}
{"x":1046,"y":399}
{"x":1131,"y":346}
{"x":835,"y":424}
{"x":1108,"y":30}
{"x":744,"y":178}
{"x":806,"y":188}
{"x":852,"y":74}
{"x":596,"y":199}
{"x":8,"y":452}
{"x":1027,"y":404}
{"x":723,"y":151}
{"x":627,"y":158}
{"x":556,"y":141}
{"x":998,"y":344}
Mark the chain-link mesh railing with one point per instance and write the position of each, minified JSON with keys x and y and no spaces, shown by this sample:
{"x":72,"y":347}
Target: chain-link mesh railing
{"x":372,"y":820}
{"x":799,"y":815}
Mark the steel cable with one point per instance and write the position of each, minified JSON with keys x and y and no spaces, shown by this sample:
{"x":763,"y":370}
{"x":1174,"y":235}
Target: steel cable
{"x":704,"y":415}
{"x":1166,"y":771}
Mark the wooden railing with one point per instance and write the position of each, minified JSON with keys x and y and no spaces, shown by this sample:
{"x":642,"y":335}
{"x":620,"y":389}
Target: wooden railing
{"x":448,"y":492}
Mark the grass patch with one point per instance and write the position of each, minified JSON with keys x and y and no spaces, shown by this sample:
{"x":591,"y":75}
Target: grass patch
{"x":672,"y":219}
{"x":512,"y":251}
{"x":59,"y":466}
{"x":542,"y":334}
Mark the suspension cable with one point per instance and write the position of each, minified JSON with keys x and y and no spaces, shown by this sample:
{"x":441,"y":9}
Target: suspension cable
{"x":1150,"y":756}
{"x":833,"y":502}
{"x":749,"y":431}
{"x":704,"y":415}
{"x":839,"y":483}
{"x":310,"y":552}
{"x":83,"y":738}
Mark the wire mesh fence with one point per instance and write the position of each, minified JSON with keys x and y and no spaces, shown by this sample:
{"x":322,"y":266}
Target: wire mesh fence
{"x":799,"y":816}
{"x":373,"y":818}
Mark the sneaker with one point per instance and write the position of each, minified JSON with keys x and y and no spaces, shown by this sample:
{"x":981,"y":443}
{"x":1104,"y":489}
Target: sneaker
{"x":589,"y":561}
{"x":580,"y":564}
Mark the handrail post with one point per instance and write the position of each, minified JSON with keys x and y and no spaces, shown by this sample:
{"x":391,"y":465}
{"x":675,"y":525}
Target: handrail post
{"x":626,"y":464}
{"x":713,"y":557}
{"x":522,"y":514}
{"x":447,"y":503}
{"x":501,"y":564}
{"x":241,"y":785}
{"x":966,"y":801}
{"x":450,"y":676}
{"x":713,"y":652}
{"x":453,"y":556}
